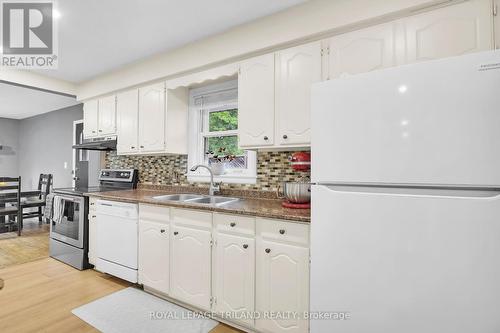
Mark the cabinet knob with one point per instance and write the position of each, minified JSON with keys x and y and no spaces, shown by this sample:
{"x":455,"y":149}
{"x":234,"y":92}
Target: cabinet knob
{"x":176,"y":233}
{"x":268,"y":250}
{"x":245,"y":246}
{"x":162,"y":231}
{"x":142,"y":146}
{"x":285,"y":136}
{"x":232,"y":224}
{"x":93,"y":131}
{"x":282,"y":231}
{"x":132,"y":147}
{"x":93,"y":216}
{"x":92,"y":204}
{"x":266,"y":138}
{"x":100,"y":130}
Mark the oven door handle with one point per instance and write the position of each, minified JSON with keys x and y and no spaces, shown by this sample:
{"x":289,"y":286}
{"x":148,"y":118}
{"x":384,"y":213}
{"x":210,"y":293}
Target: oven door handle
{"x":79,"y":199}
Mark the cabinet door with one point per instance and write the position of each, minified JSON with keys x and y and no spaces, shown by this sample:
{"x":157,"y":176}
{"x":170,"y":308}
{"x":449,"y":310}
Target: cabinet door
{"x":107,"y":115}
{"x":361,"y":51}
{"x":256,"y":102}
{"x":449,"y":31}
{"x":191,"y":266}
{"x":297,"y":69}
{"x":152,"y":118}
{"x":90,"y":118}
{"x":127,"y":122}
{"x":282,"y":285}
{"x":496,"y":22}
{"x":92,"y":254}
{"x":154,"y":255}
{"x":235,"y":275}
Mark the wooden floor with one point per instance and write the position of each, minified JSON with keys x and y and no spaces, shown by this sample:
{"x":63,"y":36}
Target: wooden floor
{"x":32,"y":245}
{"x":38,"y":296}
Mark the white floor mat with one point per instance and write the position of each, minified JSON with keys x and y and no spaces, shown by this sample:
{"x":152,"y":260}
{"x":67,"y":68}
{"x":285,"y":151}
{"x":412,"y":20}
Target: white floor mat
{"x":135,"y":311}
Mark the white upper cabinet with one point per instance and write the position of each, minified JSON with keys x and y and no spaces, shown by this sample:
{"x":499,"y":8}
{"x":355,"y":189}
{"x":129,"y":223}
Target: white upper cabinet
{"x":107,"y":115}
{"x":127,"y":107}
{"x":154,"y":255}
{"x":191,"y":266}
{"x":297,"y":68}
{"x":256,"y":102}
{"x":360,"y":51}
{"x":496,"y":22}
{"x":152,"y":118}
{"x":450,"y":31}
{"x":99,"y":117}
{"x":90,"y":118}
{"x":235,"y":276}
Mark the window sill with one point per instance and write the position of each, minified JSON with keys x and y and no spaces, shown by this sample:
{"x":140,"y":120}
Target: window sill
{"x":228,"y":179}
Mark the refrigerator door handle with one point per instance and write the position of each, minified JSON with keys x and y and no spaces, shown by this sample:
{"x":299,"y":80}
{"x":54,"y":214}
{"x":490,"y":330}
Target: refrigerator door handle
{"x":482,"y":194}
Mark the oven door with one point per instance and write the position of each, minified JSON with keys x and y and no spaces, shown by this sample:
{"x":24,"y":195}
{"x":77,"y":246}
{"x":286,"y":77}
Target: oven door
{"x":67,"y":225}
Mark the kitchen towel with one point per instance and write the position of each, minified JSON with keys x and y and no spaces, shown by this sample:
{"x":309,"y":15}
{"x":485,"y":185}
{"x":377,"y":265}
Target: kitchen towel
{"x":134,"y":311}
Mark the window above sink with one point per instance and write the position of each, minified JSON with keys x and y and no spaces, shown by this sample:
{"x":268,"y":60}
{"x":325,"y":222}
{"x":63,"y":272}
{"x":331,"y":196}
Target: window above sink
{"x":213,"y":123}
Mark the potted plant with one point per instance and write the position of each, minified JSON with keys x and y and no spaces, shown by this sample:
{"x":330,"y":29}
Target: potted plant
{"x":218,"y":159}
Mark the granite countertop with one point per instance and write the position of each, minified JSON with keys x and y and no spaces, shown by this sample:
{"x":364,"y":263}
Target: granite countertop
{"x":270,"y":208}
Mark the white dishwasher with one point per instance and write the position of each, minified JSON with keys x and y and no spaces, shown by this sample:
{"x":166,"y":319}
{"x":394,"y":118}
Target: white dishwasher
{"x":117,"y":230}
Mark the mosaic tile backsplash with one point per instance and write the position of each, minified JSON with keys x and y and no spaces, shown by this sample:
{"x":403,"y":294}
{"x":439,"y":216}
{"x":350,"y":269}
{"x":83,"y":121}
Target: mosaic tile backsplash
{"x":273,"y":168}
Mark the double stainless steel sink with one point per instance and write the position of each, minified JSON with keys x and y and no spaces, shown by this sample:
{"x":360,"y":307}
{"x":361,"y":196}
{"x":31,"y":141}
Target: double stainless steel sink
{"x":212,"y":200}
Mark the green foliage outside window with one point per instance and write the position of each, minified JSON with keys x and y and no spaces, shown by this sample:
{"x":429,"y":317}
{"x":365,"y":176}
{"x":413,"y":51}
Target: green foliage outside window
{"x":226,"y":120}
{"x":228,"y":142}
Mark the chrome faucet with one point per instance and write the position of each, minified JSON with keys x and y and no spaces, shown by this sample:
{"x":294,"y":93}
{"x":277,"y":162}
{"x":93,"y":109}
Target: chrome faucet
{"x":214,"y":187}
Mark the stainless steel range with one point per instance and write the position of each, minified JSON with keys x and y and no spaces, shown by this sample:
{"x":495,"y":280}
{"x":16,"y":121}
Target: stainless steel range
{"x":69,"y":225}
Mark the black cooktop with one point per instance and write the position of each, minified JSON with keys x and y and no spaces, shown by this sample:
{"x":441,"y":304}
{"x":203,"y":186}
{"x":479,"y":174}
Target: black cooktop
{"x":82,"y":190}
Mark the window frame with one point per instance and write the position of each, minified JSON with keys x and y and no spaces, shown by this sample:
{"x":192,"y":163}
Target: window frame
{"x":197,"y":117}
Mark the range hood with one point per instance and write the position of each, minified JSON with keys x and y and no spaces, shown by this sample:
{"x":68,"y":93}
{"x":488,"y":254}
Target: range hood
{"x":106,"y":143}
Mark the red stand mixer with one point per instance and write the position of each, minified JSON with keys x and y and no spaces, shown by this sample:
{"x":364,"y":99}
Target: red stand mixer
{"x":298,"y":194}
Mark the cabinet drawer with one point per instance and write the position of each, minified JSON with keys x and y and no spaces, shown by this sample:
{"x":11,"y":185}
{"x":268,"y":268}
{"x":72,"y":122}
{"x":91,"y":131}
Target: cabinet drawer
{"x":154,"y":213}
{"x":193,"y":218}
{"x":282,"y":230}
{"x":235,"y":224}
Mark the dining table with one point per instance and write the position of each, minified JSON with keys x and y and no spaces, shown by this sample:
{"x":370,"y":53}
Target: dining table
{"x":11,"y":197}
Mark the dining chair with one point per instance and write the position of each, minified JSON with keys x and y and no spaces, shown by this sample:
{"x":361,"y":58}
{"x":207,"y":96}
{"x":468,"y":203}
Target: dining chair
{"x":10,"y":199}
{"x":44,"y":186}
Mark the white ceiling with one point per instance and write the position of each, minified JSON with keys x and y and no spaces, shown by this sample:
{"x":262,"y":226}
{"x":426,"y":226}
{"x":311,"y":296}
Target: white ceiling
{"x":19,"y":102}
{"x":97,"y":36}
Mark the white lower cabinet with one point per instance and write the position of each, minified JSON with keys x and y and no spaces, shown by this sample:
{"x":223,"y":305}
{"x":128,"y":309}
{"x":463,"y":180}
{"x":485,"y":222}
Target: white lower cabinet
{"x":92,"y":253}
{"x":154,"y":255}
{"x":282,"y":280}
{"x":191,"y":266}
{"x":232,"y":265}
{"x":235,"y":277}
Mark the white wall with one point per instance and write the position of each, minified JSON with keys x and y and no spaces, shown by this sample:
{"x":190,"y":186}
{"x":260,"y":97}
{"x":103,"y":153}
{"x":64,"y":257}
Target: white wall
{"x":9,"y":153}
{"x":311,"y":20}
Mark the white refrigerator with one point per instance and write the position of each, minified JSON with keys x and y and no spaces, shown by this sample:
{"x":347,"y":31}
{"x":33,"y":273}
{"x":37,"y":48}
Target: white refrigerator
{"x":405,"y":232}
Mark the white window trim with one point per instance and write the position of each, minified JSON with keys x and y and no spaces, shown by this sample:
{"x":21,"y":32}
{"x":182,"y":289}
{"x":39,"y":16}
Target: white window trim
{"x":196,"y":142}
